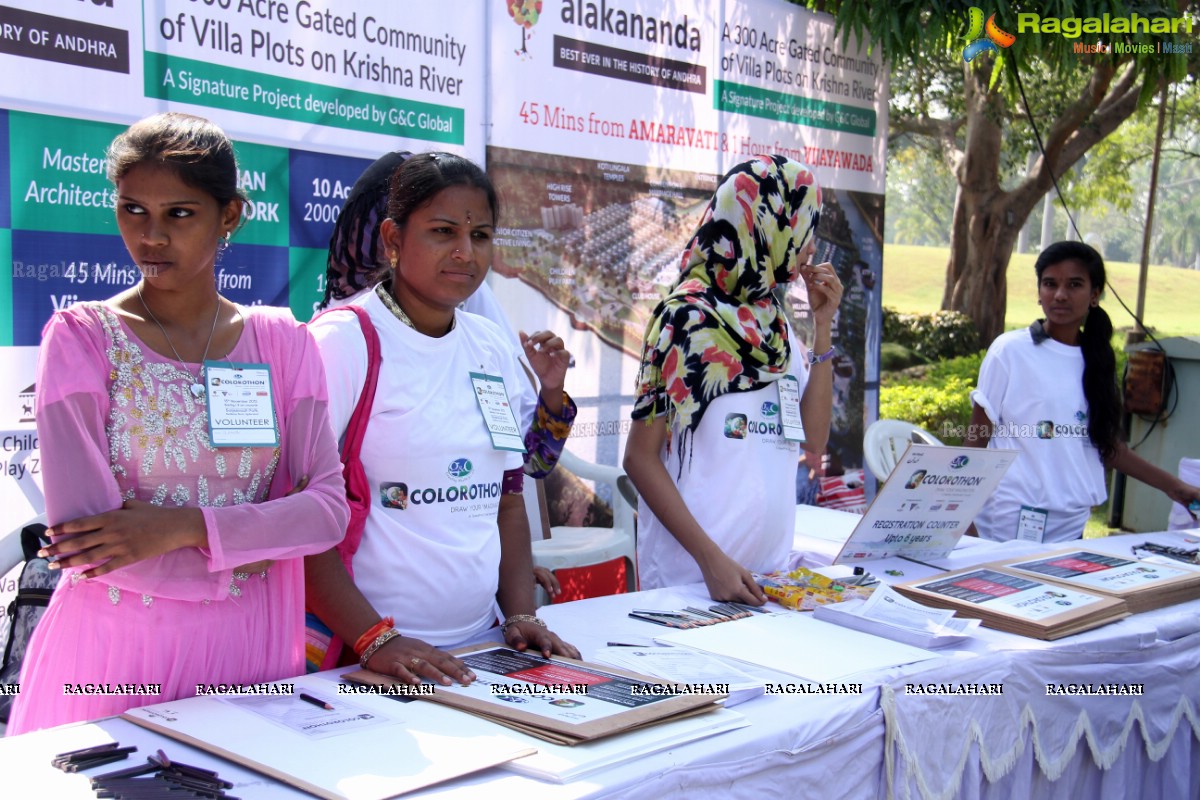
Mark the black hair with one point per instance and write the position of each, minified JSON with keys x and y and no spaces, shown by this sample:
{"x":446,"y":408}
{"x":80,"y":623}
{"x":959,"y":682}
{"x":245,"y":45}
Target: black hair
{"x":353,"y":264}
{"x":421,"y":177}
{"x":193,"y":148}
{"x":1095,"y":341}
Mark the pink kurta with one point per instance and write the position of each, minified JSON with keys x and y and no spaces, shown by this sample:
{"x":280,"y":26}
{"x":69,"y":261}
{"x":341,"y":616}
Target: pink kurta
{"x":116,"y":421}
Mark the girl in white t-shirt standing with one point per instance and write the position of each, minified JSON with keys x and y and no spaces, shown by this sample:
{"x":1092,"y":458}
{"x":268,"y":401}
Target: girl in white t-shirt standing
{"x":447,"y":538}
{"x":1050,"y":392}
{"x":721,"y":399}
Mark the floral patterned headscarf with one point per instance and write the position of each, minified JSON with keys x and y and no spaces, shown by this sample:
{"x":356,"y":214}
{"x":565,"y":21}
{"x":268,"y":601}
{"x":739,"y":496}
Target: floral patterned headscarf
{"x":721,"y":328}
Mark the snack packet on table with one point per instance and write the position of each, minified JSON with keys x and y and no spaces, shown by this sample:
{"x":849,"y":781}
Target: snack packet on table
{"x":803,"y":590}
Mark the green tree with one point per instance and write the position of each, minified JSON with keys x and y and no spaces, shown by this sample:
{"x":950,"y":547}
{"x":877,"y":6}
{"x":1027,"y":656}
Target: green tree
{"x":920,"y":194}
{"x":975,"y":115}
{"x":1117,"y":176}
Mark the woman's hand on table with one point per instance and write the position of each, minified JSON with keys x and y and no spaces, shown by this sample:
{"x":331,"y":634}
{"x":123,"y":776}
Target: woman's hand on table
{"x":410,"y":660}
{"x":729,"y":581}
{"x":1185,"y":494}
{"x":526,"y":635}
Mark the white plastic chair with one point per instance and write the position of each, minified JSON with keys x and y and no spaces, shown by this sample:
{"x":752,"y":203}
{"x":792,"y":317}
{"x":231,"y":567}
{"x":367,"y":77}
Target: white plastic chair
{"x":570,"y":547}
{"x":886,"y":440}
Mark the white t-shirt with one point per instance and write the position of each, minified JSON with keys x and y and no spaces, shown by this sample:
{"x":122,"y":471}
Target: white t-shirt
{"x":1033,"y":396}
{"x":484,"y":303}
{"x":430,"y":553}
{"x":739,"y":482}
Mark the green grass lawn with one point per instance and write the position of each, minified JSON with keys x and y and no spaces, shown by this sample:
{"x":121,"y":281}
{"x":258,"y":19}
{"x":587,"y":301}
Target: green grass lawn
{"x":914,"y":278}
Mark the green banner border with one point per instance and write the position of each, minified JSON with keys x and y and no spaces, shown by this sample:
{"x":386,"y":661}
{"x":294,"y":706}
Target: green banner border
{"x":362,"y":111}
{"x":792,"y":109}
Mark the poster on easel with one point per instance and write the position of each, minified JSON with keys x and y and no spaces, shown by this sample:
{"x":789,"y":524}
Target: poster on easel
{"x":933,"y":495}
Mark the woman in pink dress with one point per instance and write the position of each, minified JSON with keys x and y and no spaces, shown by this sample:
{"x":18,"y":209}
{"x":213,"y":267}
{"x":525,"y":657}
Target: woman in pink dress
{"x":182,"y":561}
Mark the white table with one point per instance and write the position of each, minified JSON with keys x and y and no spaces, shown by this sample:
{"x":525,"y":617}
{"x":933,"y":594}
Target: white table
{"x":1025,"y":743}
{"x":856,"y":745}
{"x":789,"y":738}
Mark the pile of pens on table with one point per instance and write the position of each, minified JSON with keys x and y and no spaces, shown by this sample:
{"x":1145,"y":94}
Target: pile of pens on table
{"x":1187,"y":555}
{"x":696,"y":617}
{"x":88,"y":757}
{"x":159,"y":777}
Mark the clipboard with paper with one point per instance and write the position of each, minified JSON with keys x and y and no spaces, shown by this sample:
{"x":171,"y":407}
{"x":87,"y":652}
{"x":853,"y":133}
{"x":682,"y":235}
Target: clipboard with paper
{"x":559,"y":699}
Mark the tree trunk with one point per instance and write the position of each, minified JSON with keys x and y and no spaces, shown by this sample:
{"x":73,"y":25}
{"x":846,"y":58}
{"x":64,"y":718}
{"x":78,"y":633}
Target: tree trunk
{"x":980,"y":258}
{"x":957,"y":268}
{"x":1023,"y":236}
{"x":987,"y":219}
{"x":985,"y":228}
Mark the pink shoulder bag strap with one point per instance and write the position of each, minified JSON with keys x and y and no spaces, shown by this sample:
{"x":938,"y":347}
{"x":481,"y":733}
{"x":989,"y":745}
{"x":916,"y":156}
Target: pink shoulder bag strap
{"x":358,"y":491}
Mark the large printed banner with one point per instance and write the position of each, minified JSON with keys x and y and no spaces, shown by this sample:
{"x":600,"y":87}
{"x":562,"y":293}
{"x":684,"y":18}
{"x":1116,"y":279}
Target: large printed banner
{"x":611,"y":124}
{"x":66,"y":248}
{"x":344,"y":76}
{"x":311,"y":91}
{"x":605,"y":125}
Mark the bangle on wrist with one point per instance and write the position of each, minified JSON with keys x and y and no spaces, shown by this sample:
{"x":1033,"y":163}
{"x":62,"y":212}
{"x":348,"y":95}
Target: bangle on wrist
{"x":372,"y":633}
{"x":813,"y":358}
{"x":379,"y":642}
{"x":516,"y":618}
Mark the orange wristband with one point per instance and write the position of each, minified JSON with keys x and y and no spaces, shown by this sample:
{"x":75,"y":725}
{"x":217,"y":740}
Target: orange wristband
{"x":372,"y":634}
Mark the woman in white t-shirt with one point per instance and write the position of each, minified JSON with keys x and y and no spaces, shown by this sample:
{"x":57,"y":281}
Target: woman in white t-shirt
{"x":721,"y":398}
{"x":447,"y":538}
{"x":1050,"y":392}
{"x":356,"y":262}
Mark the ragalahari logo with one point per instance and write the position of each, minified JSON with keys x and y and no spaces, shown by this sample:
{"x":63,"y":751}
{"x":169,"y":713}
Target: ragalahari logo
{"x":983,"y":38}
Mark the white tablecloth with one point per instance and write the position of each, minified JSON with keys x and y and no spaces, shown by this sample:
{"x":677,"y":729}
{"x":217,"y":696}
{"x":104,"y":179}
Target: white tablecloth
{"x":1027,"y":743}
{"x":1020,"y":744}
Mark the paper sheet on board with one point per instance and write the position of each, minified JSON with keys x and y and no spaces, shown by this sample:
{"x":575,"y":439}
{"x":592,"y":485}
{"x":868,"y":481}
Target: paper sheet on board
{"x":796,"y":644}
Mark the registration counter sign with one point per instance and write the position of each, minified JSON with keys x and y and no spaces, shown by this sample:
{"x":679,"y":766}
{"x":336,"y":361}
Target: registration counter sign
{"x":927,"y":504}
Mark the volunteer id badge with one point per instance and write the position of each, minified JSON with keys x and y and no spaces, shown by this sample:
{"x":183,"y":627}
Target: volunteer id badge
{"x":497,"y":412}
{"x":241,"y":408}
{"x":789,"y":409}
{"x":1031,"y":524}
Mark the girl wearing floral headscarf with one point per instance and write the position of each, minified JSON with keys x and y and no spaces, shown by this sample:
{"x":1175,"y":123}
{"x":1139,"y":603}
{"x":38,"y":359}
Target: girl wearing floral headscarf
{"x":720,"y":395}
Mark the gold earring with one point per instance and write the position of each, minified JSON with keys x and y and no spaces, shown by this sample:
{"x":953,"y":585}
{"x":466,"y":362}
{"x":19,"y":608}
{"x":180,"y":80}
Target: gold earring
{"x":393,"y":258}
